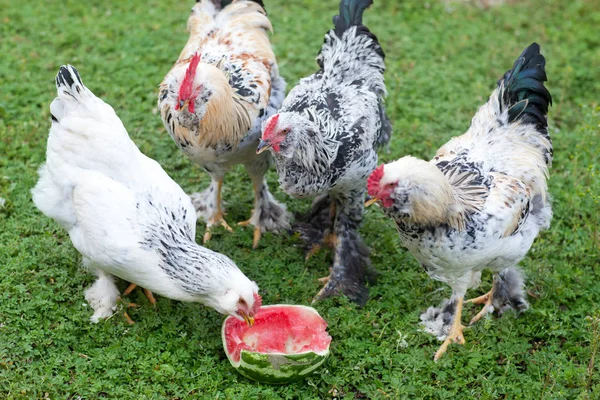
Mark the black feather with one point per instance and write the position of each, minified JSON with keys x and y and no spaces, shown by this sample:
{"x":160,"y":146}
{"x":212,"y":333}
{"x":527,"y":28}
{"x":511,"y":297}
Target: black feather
{"x":523,"y":92}
{"x":351,"y":12}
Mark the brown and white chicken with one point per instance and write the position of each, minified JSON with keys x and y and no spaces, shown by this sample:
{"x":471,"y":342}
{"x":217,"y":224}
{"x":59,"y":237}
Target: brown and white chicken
{"x":481,"y":202}
{"x":224,"y":84}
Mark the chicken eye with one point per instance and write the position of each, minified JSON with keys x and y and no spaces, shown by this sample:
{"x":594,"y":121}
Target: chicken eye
{"x":390,"y":185}
{"x":242,"y":301}
{"x":285,"y":131}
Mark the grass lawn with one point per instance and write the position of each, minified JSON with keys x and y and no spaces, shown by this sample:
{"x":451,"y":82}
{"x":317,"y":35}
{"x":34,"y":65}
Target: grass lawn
{"x":443,"y":61}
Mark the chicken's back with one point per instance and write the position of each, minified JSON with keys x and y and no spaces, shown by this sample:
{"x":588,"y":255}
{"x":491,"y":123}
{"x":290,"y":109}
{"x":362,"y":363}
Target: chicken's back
{"x":87,"y":136}
{"x":509,"y":134}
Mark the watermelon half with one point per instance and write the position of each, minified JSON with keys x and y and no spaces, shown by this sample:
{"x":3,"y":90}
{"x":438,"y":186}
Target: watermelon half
{"x":286,"y":343}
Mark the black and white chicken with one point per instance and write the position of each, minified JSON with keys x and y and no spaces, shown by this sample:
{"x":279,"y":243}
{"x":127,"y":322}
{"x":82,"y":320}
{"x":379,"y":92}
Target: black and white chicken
{"x":125,"y":215}
{"x":324,"y":140}
{"x":481,"y":202}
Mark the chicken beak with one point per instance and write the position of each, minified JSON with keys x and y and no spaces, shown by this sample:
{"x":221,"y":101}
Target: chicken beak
{"x":181,"y":104}
{"x":262,"y":146}
{"x":249,"y":320}
{"x":371,"y":202}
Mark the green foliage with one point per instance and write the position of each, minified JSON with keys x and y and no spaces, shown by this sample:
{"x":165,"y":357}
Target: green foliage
{"x":443,"y":61}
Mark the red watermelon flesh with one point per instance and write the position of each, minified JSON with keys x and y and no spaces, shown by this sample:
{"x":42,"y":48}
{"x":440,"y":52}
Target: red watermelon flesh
{"x":278,"y":329}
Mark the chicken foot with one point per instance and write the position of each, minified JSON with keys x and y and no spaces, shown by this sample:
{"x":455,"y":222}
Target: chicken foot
{"x":486,"y":300}
{"x":456,"y":331}
{"x":268,"y":214}
{"x":208,"y":206}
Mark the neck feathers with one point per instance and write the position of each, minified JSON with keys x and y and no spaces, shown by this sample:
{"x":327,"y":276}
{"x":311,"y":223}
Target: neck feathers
{"x":225,"y":119}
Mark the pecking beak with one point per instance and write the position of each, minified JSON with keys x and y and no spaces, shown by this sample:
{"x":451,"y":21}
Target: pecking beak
{"x":262,"y":146}
{"x":249,"y":320}
{"x":371,"y":201}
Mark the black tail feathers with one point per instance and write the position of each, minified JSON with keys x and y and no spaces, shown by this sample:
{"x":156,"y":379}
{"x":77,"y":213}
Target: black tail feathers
{"x":68,"y":76}
{"x":351,"y":12}
{"x":523,"y":90}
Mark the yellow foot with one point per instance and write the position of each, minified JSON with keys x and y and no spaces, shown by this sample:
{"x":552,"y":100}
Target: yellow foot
{"x":217,"y":219}
{"x":456,"y":332}
{"x":455,"y":336}
{"x":324,"y":280}
{"x":486,"y":299}
{"x":148,"y":294}
{"x":257,"y":232}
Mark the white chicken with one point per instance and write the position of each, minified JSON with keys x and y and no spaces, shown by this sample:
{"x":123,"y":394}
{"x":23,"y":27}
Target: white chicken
{"x":125,"y":215}
{"x":481,"y":202}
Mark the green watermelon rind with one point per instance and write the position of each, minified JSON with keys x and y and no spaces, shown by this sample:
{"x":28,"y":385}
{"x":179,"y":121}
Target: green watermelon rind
{"x":276,"y":368}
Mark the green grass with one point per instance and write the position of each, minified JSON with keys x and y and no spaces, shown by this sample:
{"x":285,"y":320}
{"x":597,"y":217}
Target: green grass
{"x":443,"y":62}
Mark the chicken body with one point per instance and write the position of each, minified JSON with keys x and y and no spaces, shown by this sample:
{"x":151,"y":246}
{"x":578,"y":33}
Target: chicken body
{"x":224,"y":84}
{"x":124,"y":214}
{"x":481,"y":202}
{"x":324,"y":140}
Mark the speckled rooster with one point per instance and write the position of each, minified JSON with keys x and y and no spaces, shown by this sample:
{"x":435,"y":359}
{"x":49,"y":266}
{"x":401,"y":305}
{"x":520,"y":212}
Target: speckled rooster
{"x":481,"y":202}
{"x":224,"y":84}
{"x":324,"y":141}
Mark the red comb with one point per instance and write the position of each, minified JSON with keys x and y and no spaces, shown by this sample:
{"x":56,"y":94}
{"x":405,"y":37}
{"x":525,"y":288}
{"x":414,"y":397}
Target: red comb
{"x":270,"y":127}
{"x":257,"y":303}
{"x":185,"y":91}
{"x":373,"y":181}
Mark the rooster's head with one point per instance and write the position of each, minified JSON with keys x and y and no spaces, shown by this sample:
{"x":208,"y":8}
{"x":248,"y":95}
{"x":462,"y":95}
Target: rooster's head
{"x":380,"y":190}
{"x":412,"y":189}
{"x":187,"y":92}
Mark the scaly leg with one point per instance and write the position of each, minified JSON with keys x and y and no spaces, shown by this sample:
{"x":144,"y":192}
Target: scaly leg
{"x":456,"y":331}
{"x":217,"y":217}
{"x":268,"y":214}
{"x":257,"y":231}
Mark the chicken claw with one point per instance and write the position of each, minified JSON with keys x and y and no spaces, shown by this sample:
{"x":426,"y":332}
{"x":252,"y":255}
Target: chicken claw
{"x":486,"y":300}
{"x":217,"y":219}
{"x":456,"y":332}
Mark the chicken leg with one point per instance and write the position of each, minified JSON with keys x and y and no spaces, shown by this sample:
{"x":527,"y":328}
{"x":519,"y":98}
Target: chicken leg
{"x":456,"y":331}
{"x":329,"y":240}
{"x":148,"y":293}
{"x":268,"y":214}
{"x":351,"y":266}
{"x":208,"y":207}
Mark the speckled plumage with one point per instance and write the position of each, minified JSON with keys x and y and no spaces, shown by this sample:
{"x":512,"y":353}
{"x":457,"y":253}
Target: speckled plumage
{"x":238,"y":86}
{"x":481,"y":202}
{"x":124,"y":214}
{"x":335,"y":121}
